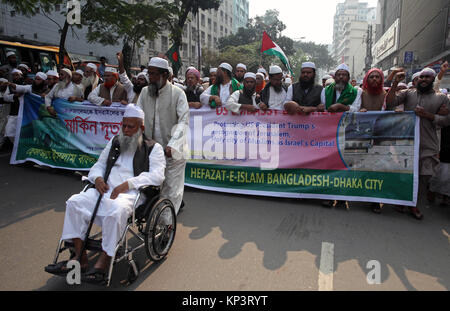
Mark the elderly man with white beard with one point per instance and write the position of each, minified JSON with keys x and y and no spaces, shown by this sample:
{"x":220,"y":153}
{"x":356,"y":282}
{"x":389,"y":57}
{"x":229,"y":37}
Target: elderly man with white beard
{"x":167,"y":120}
{"x":65,"y":89}
{"x":90,"y":79}
{"x":140,"y":163}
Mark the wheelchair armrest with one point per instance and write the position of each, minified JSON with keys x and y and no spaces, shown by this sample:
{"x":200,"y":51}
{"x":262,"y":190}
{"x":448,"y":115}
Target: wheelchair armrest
{"x":149,"y":191}
{"x":86,"y":184}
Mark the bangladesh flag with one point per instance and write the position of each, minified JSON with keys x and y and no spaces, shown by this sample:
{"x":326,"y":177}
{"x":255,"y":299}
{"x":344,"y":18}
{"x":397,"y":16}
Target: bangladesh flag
{"x":174,"y":56}
{"x":271,"y":48}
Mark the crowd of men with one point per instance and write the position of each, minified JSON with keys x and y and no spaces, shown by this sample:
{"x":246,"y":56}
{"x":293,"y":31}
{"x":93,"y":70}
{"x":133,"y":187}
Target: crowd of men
{"x":239,"y":90}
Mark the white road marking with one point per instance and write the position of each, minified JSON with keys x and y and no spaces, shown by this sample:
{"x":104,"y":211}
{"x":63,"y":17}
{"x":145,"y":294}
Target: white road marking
{"x":326,"y":267}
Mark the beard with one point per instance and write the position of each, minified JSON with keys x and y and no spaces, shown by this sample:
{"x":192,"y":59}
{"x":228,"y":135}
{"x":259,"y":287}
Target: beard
{"x":219,"y":80}
{"x":191,"y":88}
{"x":424,"y":89}
{"x":153,"y":88}
{"x":63,"y":84}
{"x":138,"y":88}
{"x":306,"y":84}
{"x":240,"y":79}
{"x":87,"y":81}
{"x":130,"y":143}
{"x":19,"y":81}
{"x":278,"y":88}
{"x":38,"y":88}
{"x":340,"y":86}
{"x":249,"y":91}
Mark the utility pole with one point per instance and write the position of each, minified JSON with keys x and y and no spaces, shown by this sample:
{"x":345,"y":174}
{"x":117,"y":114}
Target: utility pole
{"x":369,"y":44}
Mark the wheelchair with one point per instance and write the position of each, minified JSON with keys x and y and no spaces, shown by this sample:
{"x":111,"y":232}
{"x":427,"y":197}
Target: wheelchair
{"x":152,"y":223}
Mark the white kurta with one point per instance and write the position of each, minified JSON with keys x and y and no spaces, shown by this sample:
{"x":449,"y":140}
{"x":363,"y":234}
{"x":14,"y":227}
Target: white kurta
{"x":167,"y":122}
{"x":355,"y":107}
{"x":277,"y":100}
{"x":128,"y":85}
{"x":224,"y":94}
{"x":65,"y":93}
{"x":94,"y":96}
{"x":4,"y":113}
{"x":112,"y":215}
{"x":233,"y":102}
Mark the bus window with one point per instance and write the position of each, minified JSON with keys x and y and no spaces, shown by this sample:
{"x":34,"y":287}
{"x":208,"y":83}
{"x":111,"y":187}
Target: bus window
{"x":47,"y":62}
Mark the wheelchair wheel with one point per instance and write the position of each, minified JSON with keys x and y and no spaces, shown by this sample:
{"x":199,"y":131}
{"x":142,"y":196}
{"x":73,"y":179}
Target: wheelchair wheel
{"x":160,"y":230}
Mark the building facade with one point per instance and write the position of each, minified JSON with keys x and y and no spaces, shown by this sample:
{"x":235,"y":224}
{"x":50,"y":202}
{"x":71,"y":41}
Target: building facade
{"x":412,"y":34}
{"x":349,"y":34}
{"x":214,"y":24}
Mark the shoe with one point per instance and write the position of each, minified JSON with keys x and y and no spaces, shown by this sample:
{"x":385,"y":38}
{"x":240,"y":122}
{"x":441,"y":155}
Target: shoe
{"x":416,"y":213}
{"x":377,"y":208}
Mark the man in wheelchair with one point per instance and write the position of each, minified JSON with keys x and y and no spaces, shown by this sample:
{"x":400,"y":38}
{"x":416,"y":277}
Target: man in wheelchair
{"x":132,"y":162}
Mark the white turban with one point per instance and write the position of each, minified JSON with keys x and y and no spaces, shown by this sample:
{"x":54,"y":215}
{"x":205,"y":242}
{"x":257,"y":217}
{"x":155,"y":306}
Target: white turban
{"x":428,"y":72}
{"x":226,"y":66}
{"x":416,"y":75}
{"x":241,"y":66}
{"x":67,"y":71}
{"x":41,"y":75}
{"x":262,"y":70}
{"x":159,"y":63}
{"x":213,"y":70}
{"x":309,"y":65}
{"x":16,"y":71}
{"x":343,"y":67}
{"x":143,"y":74}
{"x":273,"y":70}
{"x":110,"y":69}
{"x":133,"y":111}
{"x":52,"y":73}
{"x":92,"y":66}
{"x":250,"y":75}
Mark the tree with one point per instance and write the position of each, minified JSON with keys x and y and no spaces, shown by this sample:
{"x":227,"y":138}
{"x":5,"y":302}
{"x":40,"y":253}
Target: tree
{"x":317,"y":53}
{"x":181,"y":10}
{"x":131,"y":23}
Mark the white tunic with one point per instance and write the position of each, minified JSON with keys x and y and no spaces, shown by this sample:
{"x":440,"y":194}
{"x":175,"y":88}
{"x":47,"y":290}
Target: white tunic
{"x":94,"y":96}
{"x":167,"y":122}
{"x":224,"y":94}
{"x":64,"y":93}
{"x":112,"y":215}
{"x":128,"y":85}
{"x":355,"y":107}
{"x":277,"y":100}
{"x":233,"y":102}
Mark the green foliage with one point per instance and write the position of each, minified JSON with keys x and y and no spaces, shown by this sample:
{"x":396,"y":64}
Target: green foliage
{"x":317,"y":53}
{"x":32,"y":7}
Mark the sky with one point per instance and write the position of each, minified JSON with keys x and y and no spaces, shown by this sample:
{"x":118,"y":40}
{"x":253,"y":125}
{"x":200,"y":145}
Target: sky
{"x":303,"y":18}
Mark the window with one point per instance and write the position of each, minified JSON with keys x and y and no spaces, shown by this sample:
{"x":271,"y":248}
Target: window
{"x":203,"y":20}
{"x":12,"y":13}
{"x":164,"y":44}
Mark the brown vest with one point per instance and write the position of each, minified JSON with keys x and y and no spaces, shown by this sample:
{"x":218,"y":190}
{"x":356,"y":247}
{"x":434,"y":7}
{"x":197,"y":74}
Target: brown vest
{"x":119,"y":93}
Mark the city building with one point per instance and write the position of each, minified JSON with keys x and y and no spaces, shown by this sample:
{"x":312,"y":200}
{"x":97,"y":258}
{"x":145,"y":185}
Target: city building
{"x":349,"y":34}
{"x":214,"y":24}
{"x":412,"y":34}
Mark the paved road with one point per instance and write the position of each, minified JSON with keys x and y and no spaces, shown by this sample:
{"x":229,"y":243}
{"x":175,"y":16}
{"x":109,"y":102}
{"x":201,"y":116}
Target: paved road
{"x":232,"y":242}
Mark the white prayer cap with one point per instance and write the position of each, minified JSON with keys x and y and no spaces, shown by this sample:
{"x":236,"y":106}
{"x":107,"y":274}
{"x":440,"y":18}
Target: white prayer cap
{"x":52,"y":73}
{"x":10,"y":53}
{"x":273,"y":70}
{"x":250,"y":75}
{"x":402,"y":85}
{"x":110,"y":69}
{"x":444,"y":91}
{"x":205,"y":79}
{"x":79,"y":71}
{"x":143,"y":74}
{"x":213,"y":70}
{"x":428,"y":72}
{"x":171,"y":71}
{"x":145,"y":70}
{"x":41,"y":75}
{"x":133,"y":111}
{"x":343,"y":67}
{"x":309,"y":65}
{"x":226,"y":66}
{"x":261,"y":75}
{"x":159,"y":63}
{"x":16,"y":71}
{"x":410,"y":85}
{"x":190,"y":67}
{"x":3,"y":80}
{"x":416,"y":75}
{"x":92,"y":66}
{"x":332,"y":73}
{"x":262,"y":70}
{"x":24,"y":66}
{"x":67,"y":71}
{"x":241,"y":66}
{"x":326,"y":77}
{"x":329,"y":81}
{"x":288,"y":81}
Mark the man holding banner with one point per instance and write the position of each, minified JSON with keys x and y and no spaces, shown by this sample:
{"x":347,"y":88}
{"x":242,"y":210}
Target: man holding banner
{"x":166,"y":121}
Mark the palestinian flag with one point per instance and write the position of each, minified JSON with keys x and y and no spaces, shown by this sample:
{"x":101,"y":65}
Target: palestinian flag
{"x":271,"y":48}
{"x":174,"y":56}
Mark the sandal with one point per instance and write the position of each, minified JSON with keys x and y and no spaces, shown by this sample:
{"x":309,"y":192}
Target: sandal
{"x":416,"y":213}
{"x":95,"y":276}
{"x":60,"y":268}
